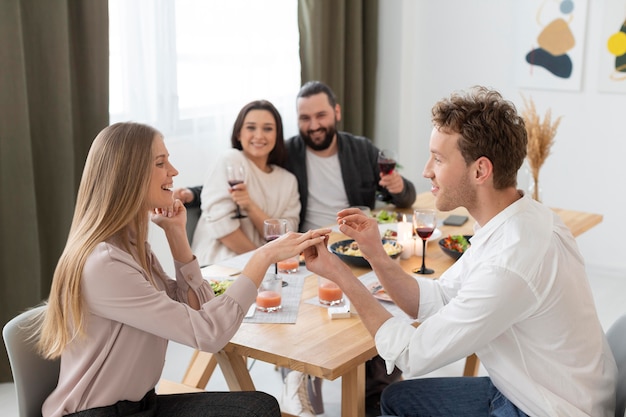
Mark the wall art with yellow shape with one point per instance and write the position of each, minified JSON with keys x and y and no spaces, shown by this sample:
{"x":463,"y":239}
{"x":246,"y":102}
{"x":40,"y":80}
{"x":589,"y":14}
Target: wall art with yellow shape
{"x":612,"y":73}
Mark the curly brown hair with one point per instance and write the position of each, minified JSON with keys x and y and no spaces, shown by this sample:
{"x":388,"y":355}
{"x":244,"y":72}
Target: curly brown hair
{"x":489,"y":126}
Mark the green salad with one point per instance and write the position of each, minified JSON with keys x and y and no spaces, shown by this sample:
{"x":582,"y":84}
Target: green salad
{"x":385,"y":216}
{"x":219,"y":287}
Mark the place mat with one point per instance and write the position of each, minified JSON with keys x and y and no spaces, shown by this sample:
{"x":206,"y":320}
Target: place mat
{"x":290,"y":302}
{"x":291,"y":295}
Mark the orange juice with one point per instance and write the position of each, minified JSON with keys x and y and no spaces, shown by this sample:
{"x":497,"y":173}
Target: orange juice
{"x":268,"y":300}
{"x":289,"y":265}
{"x":329,"y":293}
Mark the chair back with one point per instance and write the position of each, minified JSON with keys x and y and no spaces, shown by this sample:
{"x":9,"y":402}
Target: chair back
{"x":193,"y":216}
{"x":35,"y":377}
{"x":617,"y":340}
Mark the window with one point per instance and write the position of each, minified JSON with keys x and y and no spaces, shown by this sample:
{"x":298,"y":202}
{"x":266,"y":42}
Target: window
{"x":187,"y":67}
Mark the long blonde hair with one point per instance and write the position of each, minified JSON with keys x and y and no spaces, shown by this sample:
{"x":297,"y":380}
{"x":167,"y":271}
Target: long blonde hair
{"x":111,"y":198}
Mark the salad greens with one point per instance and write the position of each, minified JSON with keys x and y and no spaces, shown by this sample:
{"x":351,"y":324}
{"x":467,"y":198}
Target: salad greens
{"x":219,"y":287}
{"x":385,"y":216}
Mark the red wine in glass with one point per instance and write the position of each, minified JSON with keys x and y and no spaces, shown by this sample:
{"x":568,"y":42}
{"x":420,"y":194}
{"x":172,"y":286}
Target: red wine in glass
{"x":386,"y":167}
{"x":272,"y":230}
{"x":271,"y":237}
{"x":425,"y":232}
{"x":235,"y":174}
{"x":424,"y":222}
{"x":386,"y":164}
{"x":232,"y":183}
{"x":386,"y":161}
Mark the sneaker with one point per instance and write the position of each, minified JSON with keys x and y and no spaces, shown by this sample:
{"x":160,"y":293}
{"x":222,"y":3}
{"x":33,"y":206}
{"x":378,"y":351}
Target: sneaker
{"x":295,"y":397}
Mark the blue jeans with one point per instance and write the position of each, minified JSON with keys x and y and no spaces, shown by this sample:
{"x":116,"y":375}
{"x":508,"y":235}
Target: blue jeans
{"x":446,"y":397}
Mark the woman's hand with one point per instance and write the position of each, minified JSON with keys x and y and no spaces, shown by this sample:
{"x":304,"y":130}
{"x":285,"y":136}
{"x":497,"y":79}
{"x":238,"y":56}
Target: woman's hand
{"x":292,"y":243}
{"x":321,"y":261}
{"x":174,"y":216}
{"x":241,"y":197}
{"x":286,"y":246}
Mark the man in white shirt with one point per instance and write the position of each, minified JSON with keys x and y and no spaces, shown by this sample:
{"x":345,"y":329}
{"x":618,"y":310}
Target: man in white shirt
{"x":519,"y":297}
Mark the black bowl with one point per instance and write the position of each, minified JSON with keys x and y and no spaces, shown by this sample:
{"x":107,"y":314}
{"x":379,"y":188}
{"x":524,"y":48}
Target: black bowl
{"x":452,"y":253}
{"x":359,"y":261}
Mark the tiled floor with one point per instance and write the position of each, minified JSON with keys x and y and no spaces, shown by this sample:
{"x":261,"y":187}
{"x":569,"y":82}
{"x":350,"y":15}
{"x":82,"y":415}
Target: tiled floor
{"x":607,"y":287}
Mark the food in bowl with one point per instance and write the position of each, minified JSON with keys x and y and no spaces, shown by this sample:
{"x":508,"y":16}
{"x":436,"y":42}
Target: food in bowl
{"x":352,"y":248}
{"x":349,"y":252}
{"x":455,"y":245}
{"x":389,"y":234}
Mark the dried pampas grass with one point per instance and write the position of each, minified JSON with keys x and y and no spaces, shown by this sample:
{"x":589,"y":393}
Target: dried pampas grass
{"x":540,"y":138}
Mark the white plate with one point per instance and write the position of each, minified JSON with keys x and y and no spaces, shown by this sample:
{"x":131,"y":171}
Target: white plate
{"x":382,"y":228}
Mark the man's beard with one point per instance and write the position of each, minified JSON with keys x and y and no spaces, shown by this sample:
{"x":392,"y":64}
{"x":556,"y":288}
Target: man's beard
{"x":328,"y":138}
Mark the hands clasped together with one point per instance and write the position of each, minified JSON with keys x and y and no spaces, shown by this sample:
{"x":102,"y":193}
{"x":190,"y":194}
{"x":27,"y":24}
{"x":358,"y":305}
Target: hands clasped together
{"x":354,"y":224}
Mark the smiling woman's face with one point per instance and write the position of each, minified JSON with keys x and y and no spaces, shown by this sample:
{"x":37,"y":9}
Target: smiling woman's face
{"x":161,"y":181}
{"x":258,"y":135}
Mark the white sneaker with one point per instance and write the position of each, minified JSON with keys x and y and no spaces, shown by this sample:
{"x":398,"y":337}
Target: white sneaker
{"x":295,"y":397}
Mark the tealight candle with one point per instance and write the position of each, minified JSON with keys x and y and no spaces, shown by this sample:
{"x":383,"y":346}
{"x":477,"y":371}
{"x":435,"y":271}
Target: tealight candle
{"x":408,"y":248}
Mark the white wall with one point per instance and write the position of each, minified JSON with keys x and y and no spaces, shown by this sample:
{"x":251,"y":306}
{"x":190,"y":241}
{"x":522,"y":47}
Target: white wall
{"x":430,"y":48}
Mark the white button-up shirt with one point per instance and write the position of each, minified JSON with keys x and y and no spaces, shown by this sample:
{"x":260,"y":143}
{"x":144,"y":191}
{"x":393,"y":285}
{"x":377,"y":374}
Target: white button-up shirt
{"x":519,"y":298}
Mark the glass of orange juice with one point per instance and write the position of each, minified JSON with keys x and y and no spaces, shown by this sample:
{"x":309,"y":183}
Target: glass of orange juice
{"x":269,"y":296}
{"x":289,"y":265}
{"x":328,"y":292}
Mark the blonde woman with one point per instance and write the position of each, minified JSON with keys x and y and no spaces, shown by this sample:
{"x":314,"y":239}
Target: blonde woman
{"x":112,"y":309}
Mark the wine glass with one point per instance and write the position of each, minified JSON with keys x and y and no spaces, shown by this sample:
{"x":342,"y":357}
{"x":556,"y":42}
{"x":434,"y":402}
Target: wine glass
{"x":387,"y":160}
{"x":236,"y":175}
{"x":273,"y":229}
{"x":424,"y":222}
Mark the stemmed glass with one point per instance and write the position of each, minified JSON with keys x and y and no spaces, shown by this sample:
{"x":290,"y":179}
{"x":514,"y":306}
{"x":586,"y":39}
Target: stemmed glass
{"x":387,"y":160}
{"x":424,"y":222}
{"x":235,"y":175}
{"x":273,"y":229}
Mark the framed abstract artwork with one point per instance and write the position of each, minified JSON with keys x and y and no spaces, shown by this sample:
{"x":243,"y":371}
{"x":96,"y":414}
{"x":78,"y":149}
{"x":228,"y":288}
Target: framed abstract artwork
{"x":612,"y":50}
{"x":550,"y":43}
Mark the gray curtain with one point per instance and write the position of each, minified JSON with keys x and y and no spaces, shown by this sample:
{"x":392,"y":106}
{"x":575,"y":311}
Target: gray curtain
{"x":54,"y":99}
{"x":338,"y":45}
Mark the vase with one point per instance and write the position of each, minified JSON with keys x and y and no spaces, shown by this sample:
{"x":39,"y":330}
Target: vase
{"x":530,"y":183}
{"x":534,"y":189}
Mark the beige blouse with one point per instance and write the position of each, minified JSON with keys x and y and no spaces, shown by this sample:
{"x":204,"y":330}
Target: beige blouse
{"x":129,"y":322}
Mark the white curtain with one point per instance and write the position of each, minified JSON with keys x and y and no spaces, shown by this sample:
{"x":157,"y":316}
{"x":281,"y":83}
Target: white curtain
{"x":187,"y":67}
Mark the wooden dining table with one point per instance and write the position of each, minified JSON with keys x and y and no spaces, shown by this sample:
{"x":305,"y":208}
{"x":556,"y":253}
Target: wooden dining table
{"x":331,"y":349}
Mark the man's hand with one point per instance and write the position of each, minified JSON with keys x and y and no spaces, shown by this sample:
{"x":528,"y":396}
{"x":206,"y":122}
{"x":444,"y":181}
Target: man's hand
{"x":353,"y":223}
{"x":392,"y":182}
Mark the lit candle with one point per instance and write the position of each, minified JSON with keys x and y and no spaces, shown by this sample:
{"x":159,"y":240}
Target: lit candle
{"x":405,"y":238}
{"x":405,"y":230}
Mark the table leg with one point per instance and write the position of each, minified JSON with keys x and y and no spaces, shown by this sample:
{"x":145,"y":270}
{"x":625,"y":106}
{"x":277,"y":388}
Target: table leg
{"x":471,"y":365}
{"x":235,"y":371}
{"x":353,"y":392}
